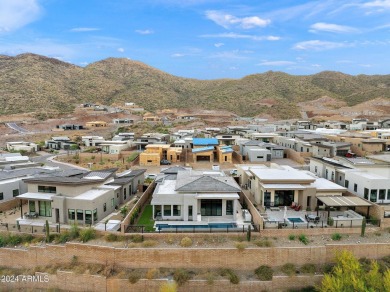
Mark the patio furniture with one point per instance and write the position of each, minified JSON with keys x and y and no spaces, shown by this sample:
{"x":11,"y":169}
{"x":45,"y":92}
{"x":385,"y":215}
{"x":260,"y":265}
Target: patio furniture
{"x":298,"y":208}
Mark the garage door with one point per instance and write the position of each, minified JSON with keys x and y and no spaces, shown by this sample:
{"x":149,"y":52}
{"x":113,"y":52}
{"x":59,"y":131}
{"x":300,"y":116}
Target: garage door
{"x":203,"y":158}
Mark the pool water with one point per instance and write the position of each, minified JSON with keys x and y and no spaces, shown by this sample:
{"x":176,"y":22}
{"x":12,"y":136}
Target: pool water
{"x":208,"y":226}
{"x":295,"y":220}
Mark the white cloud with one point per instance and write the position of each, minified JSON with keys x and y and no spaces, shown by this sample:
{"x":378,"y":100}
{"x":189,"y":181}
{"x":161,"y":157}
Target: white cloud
{"x":233,"y":35}
{"x":84,"y":29}
{"x":219,"y":45}
{"x":316,"y":65}
{"x":235,"y":54}
{"x":178,"y":55}
{"x":276,"y":63}
{"x":316,"y":45}
{"x":121,"y":50}
{"x":144,"y":31}
{"x":227,"y":20}
{"x":15,"y":14}
{"x":384,"y":4}
{"x":330,"y":27}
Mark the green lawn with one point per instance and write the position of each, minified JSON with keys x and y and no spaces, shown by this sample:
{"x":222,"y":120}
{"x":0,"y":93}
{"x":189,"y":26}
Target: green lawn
{"x":146,"y":218}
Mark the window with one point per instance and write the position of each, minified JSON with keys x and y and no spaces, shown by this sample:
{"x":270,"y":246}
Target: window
{"x":225,"y":158}
{"x":176,"y":210}
{"x":1,"y":196}
{"x":47,"y":189}
{"x":229,"y":207}
{"x":326,"y":174}
{"x":332,"y":176}
{"x":88,"y":216}
{"x":211,"y":207}
{"x":167,"y":210}
{"x":44,"y":208}
{"x":382,"y":194}
{"x":388,"y":194}
{"x":346,"y":184}
{"x":15,"y":193}
{"x":373,"y":195}
{"x":315,"y":169}
{"x":112,"y":202}
{"x":124,"y":193}
{"x":71,"y":214}
{"x":355,"y":187}
{"x":104,"y":207}
{"x":260,"y":156}
{"x":80,"y":214}
{"x":31,"y":206}
{"x":366,"y":193}
{"x":95,"y":217}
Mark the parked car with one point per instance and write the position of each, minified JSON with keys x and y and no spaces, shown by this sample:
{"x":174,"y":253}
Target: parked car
{"x":165,"y":162}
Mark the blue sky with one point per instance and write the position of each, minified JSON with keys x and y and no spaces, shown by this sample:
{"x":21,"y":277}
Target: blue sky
{"x":205,"y":39}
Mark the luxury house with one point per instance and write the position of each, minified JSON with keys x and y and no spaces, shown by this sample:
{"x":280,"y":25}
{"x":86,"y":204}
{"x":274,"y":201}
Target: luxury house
{"x":85,"y":198}
{"x":185,"y":196}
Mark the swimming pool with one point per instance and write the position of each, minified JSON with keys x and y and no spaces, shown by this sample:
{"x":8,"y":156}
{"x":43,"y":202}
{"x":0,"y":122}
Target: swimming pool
{"x":296,"y":220}
{"x":189,"y":227}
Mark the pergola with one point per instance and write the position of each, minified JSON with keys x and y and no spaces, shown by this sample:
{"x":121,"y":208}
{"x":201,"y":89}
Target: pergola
{"x":343,"y":201}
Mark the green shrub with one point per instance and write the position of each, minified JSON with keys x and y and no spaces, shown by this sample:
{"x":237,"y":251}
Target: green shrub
{"x":111,"y":237}
{"x":233,"y":278}
{"x":291,"y":237}
{"x":288,"y":269}
{"x":137,"y":238}
{"x":152,"y":274}
{"x":308,"y":269}
{"x":87,"y":234}
{"x":63,"y":237}
{"x":303,"y":238}
{"x":186,"y":242}
{"x":336,"y":236}
{"x":181,"y":276}
{"x":134,"y":276}
{"x":74,"y":231}
{"x":264,"y":273}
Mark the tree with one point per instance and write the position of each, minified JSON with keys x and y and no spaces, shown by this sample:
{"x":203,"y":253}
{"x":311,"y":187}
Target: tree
{"x":349,"y":275}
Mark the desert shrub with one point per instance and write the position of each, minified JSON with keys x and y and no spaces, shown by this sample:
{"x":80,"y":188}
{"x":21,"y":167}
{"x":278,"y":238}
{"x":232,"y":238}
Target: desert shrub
{"x":63,"y":237}
{"x":168,"y":287}
{"x":181,"y":276}
{"x":134,"y":276}
{"x":240,"y":245}
{"x":327,"y":268}
{"x":170,"y":240}
{"x":291,"y":237}
{"x":303,"y":238}
{"x":186,"y":242}
{"x":111,"y":237}
{"x":137,"y":238}
{"x":152,"y":274}
{"x":308,"y":269}
{"x":288,"y":269}
{"x":149,"y":243}
{"x":264,"y":273}
{"x":87,"y":234}
{"x":233,"y":278}
{"x":336,"y":236}
{"x":378,"y":233}
{"x":263,"y":243}
{"x":210,"y":277}
{"x":74,"y":231}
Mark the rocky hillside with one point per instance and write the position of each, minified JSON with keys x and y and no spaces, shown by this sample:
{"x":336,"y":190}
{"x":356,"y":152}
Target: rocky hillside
{"x":33,"y":83}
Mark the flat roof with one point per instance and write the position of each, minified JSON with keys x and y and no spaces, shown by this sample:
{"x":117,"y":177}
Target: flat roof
{"x":91,"y":194}
{"x":218,"y":196}
{"x":323,"y":184}
{"x":283,"y":173}
{"x":36,"y":196}
{"x":284,"y":186}
{"x":343,"y":201}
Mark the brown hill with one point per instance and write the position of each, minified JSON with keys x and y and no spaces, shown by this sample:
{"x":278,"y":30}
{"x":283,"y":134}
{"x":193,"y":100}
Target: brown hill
{"x":31,"y":83}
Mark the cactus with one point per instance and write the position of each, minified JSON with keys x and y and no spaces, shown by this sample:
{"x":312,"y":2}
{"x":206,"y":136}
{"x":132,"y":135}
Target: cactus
{"x":47,"y":232}
{"x":248,"y":233}
{"x":363,"y":227}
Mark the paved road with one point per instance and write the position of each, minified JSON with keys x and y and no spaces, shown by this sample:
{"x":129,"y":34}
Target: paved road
{"x":47,"y":160}
{"x":15,"y":127}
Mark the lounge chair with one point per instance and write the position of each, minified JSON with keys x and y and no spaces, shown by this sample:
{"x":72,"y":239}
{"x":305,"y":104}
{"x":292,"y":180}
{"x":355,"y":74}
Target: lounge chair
{"x":298,"y":208}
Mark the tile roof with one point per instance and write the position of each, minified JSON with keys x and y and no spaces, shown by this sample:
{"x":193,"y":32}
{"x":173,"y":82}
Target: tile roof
{"x":205,"y":183}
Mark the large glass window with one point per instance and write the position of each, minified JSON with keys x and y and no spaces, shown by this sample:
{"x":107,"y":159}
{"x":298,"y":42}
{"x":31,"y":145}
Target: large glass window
{"x":229,"y":207}
{"x":80,"y":214}
{"x":388,"y":194}
{"x":124,"y":193}
{"x":1,"y":196}
{"x":44,"y":208}
{"x":47,"y":189}
{"x":112,"y":202}
{"x":382,"y":194}
{"x":88,"y":217}
{"x":167,"y":210}
{"x":95,"y":217}
{"x":355,"y":186}
{"x":31,"y":206}
{"x":71,"y":214}
{"x":176,"y":210}
{"x":15,"y":193}
{"x":211,"y":207}
{"x":373,"y":195}
{"x":366,"y":193}
{"x":346,"y":184}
